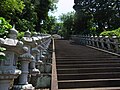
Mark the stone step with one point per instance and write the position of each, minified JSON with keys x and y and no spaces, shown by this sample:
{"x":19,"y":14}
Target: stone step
{"x":100,"y":75}
{"x":86,"y":59}
{"x":98,"y":88}
{"x":89,"y":83}
{"x":87,"y":62}
{"x":80,"y":67}
{"x":86,"y":56}
{"x":87,"y":65}
{"x":88,"y":70}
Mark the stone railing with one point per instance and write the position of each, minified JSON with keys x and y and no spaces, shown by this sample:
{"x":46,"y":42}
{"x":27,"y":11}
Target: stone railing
{"x":104,"y":42}
{"x":28,"y":62}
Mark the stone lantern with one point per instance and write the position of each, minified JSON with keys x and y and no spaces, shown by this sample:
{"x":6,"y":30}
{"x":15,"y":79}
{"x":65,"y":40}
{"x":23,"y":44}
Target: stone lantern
{"x":8,"y":71}
{"x":36,"y":37}
{"x":25,"y":60}
{"x":41,"y":46}
{"x":33,"y":69}
{"x":34,"y":52}
{"x":31,"y":44}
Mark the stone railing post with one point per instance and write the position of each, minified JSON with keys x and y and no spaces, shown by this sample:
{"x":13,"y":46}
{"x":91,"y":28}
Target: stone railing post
{"x":116,"y":43}
{"x":102,"y":42}
{"x":87,"y":39}
{"x":97,"y":41}
{"x":108,"y":43}
{"x":8,"y":71}
{"x":92,"y":40}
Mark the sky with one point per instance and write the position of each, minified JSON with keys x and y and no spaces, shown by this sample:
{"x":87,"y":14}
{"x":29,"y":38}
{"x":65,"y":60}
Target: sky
{"x":64,"y":6}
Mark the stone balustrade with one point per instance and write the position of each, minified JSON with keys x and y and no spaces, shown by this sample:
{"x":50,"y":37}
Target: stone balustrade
{"x":104,"y":42}
{"x":26,"y":59}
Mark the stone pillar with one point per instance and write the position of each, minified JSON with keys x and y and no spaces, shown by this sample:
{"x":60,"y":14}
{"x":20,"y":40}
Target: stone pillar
{"x":97,"y":41}
{"x":92,"y":40}
{"x":102,"y":42}
{"x":8,"y":71}
{"x":108,"y":42}
{"x":33,"y":69}
{"x":34,"y":52}
{"x":25,"y":59}
{"x":89,"y":40}
{"x":116,"y":43}
{"x":24,"y":75}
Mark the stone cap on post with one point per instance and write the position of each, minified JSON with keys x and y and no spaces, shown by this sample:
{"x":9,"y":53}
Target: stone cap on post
{"x":12,"y":43}
{"x":28,"y":40}
{"x":35,"y":37}
{"x":26,"y":56}
{"x":39,"y":36}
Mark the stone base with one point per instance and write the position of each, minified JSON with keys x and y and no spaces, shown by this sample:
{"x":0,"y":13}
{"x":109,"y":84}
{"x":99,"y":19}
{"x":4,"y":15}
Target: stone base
{"x":23,"y":87}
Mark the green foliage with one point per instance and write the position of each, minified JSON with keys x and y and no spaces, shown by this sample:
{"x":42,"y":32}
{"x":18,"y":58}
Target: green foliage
{"x":12,"y":5}
{"x":9,"y":8}
{"x":2,"y":49}
{"x":26,"y":14}
{"x":4,"y":27}
{"x":2,"y":55}
{"x":49,"y":24}
{"x":68,"y":22}
{"x":20,"y":35}
{"x":115,"y":32}
{"x":93,"y":30}
{"x":24,"y":25}
{"x":103,"y":14}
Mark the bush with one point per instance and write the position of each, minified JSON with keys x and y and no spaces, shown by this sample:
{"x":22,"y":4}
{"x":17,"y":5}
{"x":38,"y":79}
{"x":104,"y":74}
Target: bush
{"x":115,"y":32}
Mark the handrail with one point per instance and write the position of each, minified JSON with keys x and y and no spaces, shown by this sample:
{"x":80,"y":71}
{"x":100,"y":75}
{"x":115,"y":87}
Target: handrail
{"x":54,"y":83}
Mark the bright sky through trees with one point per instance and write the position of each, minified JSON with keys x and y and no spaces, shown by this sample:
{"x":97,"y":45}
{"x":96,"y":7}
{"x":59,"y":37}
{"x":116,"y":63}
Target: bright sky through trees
{"x":64,"y":6}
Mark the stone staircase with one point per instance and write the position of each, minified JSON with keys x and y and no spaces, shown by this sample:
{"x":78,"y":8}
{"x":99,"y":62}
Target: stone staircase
{"x":80,"y":67}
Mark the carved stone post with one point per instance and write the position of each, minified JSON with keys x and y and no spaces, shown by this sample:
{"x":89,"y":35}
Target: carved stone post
{"x":25,"y":59}
{"x":34,"y":52}
{"x":92,"y":39}
{"x":108,"y":42}
{"x":116,"y":44}
{"x":33,"y":69}
{"x":102,"y":41}
{"x":89,"y":40}
{"x":95,"y":40}
{"x":8,"y":71}
{"x":38,"y":39}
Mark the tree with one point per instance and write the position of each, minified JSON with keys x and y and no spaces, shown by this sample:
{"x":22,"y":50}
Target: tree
{"x":103,"y":13}
{"x":9,"y":8}
{"x":26,"y":14}
{"x":49,"y":24}
{"x":68,"y":22}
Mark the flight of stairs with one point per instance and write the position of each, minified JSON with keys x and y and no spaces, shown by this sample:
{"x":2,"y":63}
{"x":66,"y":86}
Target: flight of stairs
{"x":82,"y":67}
